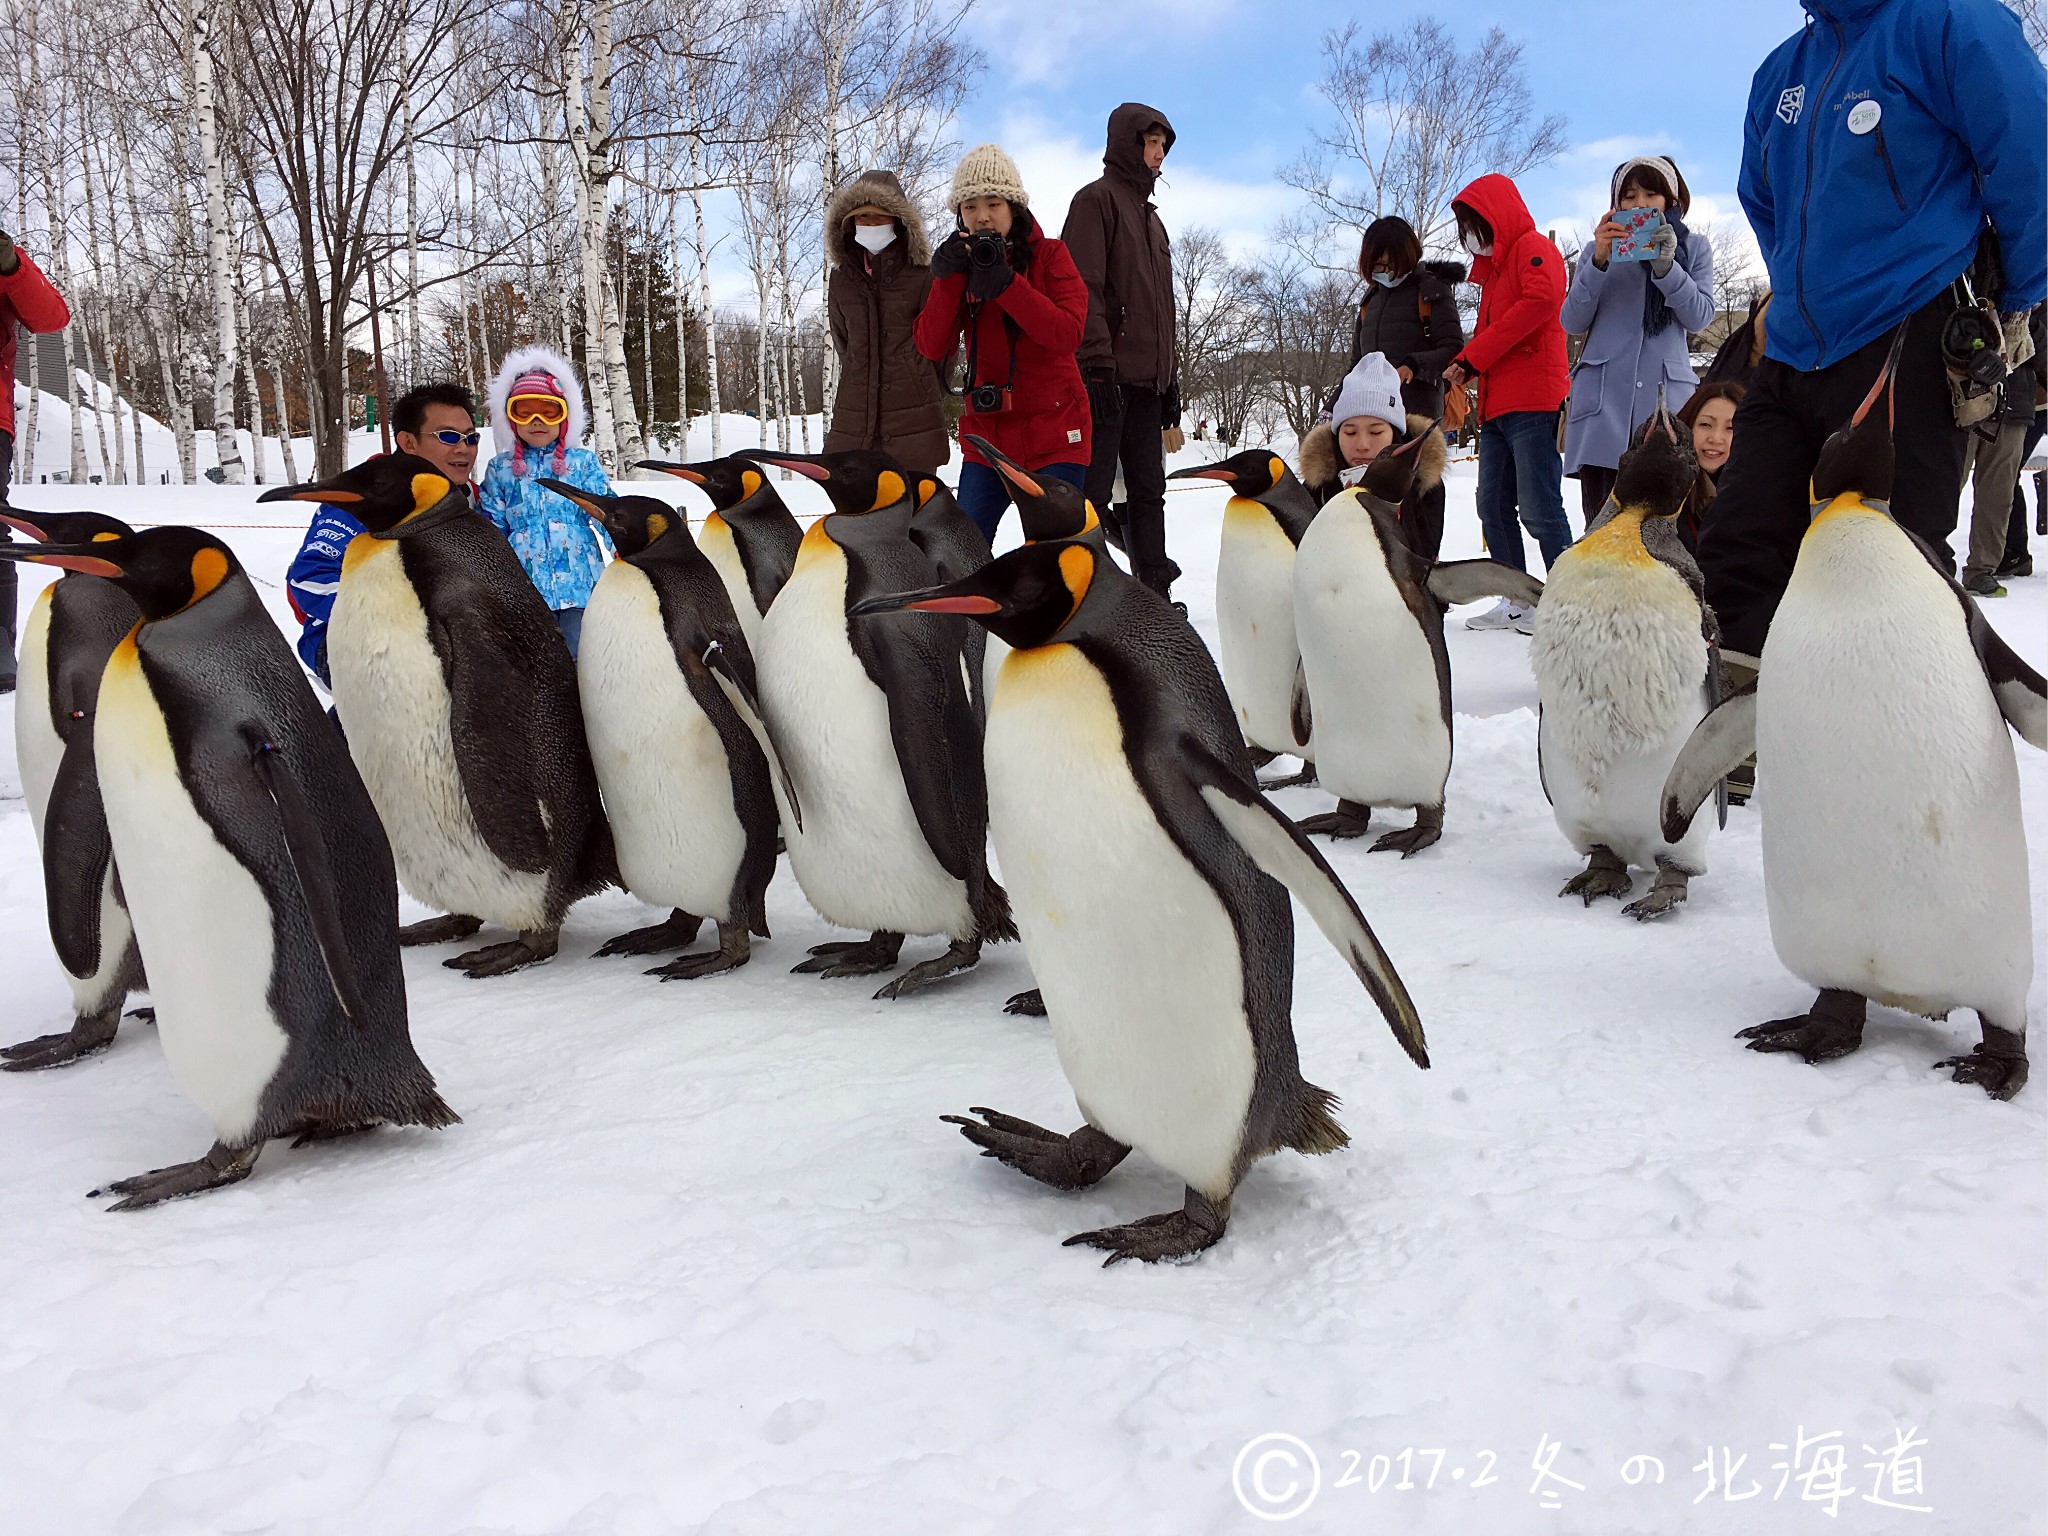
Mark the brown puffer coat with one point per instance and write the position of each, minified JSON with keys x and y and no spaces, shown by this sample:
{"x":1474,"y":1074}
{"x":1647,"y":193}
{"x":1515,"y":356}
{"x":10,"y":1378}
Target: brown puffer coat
{"x":1422,"y":510}
{"x":1115,"y":237}
{"x":889,"y":395}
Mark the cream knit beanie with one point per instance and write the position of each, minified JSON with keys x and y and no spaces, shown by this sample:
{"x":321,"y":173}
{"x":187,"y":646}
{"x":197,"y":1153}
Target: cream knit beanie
{"x":985,"y":171}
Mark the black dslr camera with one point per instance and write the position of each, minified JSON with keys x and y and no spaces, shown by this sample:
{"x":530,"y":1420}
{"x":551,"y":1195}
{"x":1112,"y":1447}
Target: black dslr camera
{"x":988,"y":397}
{"x":986,"y":248}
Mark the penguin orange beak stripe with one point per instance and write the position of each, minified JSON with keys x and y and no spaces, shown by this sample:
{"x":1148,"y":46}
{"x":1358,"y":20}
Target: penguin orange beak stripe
{"x":1023,"y":482}
{"x":680,"y":471}
{"x":89,"y":565}
{"x":967,"y":604}
{"x":312,"y":493}
{"x":22,"y":525}
{"x":1227,"y":476}
{"x":808,"y":471}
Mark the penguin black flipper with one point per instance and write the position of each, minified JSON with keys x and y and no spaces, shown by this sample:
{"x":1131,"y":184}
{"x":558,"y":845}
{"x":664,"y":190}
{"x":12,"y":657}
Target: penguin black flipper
{"x":1468,"y":581}
{"x":2021,"y":692}
{"x":767,"y":542}
{"x":1717,"y":746}
{"x":916,"y":664}
{"x":723,"y":661}
{"x":496,"y":750}
{"x":307,"y":851}
{"x":77,"y":849}
{"x":1300,"y":713}
{"x":1278,"y":847}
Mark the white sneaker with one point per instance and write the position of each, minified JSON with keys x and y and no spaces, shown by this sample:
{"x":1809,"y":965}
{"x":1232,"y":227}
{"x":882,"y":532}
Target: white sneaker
{"x":1500,"y":616}
{"x":1522,"y":620}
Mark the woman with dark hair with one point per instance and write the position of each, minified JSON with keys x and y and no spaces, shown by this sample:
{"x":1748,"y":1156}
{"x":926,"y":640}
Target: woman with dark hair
{"x":1409,"y":314}
{"x":1635,"y":315}
{"x":1710,"y":417}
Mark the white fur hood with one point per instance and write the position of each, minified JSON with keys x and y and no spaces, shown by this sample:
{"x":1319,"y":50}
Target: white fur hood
{"x":524,"y":360}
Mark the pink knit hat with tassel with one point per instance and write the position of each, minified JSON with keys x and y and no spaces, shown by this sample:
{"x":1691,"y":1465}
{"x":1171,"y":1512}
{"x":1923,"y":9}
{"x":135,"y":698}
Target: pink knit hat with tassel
{"x":539,"y":381}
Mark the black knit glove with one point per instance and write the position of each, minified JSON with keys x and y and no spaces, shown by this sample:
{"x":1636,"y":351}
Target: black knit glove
{"x":986,"y":282}
{"x":1169,"y":405}
{"x":1105,"y":401}
{"x":950,"y":259}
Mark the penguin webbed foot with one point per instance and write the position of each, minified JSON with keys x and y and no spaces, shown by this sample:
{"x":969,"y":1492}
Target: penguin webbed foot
{"x":1997,"y":1063}
{"x":1260,"y":756}
{"x":220,"y":1166}
{"x":1605,"y":874}
{"x":1064,"y":1162}
{"x":316,"y":1131}
{"x":88,"y":1036}
{"x":1663,"y":898}
{"x":960,"y":955}
{"x":503,"y":959}
{"x":143,"y":1015}
{"x":735,"y":949}
{"x":1409,"y":841}
{"x":1350,"y":819}
{"x":852,"y":957}
{"x":1030,"y":1004}
{"x":677,"y":931}
{"x":438,"y":930}
{"x":1306,"y":776}
{"x":1169,"y":1236}
{"x":1832,"y":1028}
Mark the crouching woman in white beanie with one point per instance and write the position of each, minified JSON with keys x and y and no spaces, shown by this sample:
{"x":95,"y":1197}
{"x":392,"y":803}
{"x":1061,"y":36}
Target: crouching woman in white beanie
{"x":1368,"y":419}
{"x":1016,"y":296}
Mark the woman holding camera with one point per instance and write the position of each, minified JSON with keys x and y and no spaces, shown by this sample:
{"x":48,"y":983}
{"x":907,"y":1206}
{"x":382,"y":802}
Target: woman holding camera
{"x":1016,"y":296}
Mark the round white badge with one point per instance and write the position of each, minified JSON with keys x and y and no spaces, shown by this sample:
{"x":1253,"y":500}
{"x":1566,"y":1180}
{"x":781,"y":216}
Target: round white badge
{"x":1863,"y":116}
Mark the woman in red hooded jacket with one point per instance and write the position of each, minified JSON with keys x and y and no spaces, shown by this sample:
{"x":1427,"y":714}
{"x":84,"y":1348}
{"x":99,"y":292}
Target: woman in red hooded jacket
{"x":1517,"y":354}
{"x":25,"y":296}
{"x":1023,"y":317}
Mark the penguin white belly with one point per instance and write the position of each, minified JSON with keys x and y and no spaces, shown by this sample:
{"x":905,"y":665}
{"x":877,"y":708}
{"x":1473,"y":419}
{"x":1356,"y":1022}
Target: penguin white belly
{"x":1134,"y":950}
{"x":397,"y":714}
{"x":1255,"y":624}
{"x":1894,"y":853}
{"x":661,"y":764}
{"x":38,"y":749}
{"x":719,"y":547}
{"x":1380,"y":733}
{"x":1619,"y":661}
{"x":203,"y":921}
{"x":861,"y":857}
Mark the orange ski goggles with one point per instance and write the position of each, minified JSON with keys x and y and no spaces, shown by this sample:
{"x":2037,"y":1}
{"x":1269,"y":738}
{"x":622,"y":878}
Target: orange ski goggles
{"x":548,"y":410}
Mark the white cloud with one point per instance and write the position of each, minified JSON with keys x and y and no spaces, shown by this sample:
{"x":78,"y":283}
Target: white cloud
{"x":1030,"y":42}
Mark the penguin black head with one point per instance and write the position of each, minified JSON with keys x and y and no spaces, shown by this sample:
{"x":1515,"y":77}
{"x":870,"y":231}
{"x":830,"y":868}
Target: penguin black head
{"x":380,"y":493}
{"x":1050,"y":509}
{"x":728,"y":481}
{"x":166,"y":570}
{"x":1857,"y":460}
{"x":64,"y":527}
{"x":1391,"y":474}
{"x":1023,"y":598}
{"x":861,"y":481}
{"x":1250,"y":474}
{"x":634,"y":522}
{"x":1658,"y":473}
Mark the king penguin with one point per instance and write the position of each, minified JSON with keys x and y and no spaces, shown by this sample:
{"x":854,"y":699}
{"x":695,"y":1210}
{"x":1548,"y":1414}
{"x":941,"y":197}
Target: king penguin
{"x":1369,"y":614}
{"x":876,"y":726}
{"x":459,"y":700}
{"x":750,"y":537}
{"x":1152,"y":884}
{"x":261,"y":884}
{"x":1263,"y":522}
{"x":664,"y":671}
{"x":72,"y":629}
{"x":1895,"y":860}
{"x":944,"y":532}
{"x":1626,"y":657}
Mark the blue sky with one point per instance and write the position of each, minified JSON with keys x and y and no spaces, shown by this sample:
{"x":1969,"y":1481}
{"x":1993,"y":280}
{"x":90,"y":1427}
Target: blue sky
{"x":1237,"y":78}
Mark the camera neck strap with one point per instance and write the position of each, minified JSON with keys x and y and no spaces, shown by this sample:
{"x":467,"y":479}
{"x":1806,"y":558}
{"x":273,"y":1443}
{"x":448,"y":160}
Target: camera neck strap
{"x":1010,"y":335}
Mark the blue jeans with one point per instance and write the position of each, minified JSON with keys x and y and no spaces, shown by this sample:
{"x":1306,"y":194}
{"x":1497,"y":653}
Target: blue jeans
{"x":984,"y":495}
{"x":570,"y":622}
{"x":1519,"y":467}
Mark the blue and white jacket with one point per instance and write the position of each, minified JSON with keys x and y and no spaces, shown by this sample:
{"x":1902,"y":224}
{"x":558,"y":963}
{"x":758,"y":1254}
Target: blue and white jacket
{"x":560,"y":547}
{"x":313,"y":580}
{"x":1875,"y":145}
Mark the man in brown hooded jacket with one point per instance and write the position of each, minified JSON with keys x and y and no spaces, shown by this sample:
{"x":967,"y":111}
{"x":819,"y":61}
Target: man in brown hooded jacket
{"x":1127,"y":352}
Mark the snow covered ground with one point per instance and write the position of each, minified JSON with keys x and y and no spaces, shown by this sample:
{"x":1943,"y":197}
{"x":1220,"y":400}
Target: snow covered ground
{"x":703,"y":1258}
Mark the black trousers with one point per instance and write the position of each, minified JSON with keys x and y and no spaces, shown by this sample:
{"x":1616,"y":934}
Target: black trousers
{"x":9,"y":583}
{"x":1751,"y":536}
{"x":1596,"y":484}
{"x":1132,"y":438}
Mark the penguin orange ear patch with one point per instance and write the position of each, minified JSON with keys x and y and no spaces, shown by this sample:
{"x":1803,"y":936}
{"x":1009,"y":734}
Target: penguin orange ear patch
{"x":750,"y":482}
{"x":1077,"y":570}
{"x":889,"y":489}
{"x":209,"y":570}
{"x":657,"y":525}
{"x":429,"y":490}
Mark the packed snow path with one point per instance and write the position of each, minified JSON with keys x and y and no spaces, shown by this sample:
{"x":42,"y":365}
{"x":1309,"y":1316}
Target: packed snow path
{"x":703,"y":1258}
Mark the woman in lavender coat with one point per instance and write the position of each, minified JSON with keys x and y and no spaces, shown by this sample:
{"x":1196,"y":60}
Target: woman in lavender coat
{"x":1635,"y":316}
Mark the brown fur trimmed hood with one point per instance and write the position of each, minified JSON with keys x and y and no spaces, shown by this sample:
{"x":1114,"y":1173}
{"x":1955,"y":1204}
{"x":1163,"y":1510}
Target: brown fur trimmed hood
{"x":877,"y":189}
{"x":1320,"y":462}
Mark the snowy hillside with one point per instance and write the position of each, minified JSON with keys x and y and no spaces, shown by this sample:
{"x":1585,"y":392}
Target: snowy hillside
{"x":703,"y":1258}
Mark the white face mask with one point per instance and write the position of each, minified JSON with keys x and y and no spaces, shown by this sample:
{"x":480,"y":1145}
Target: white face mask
{"x":1474,"y":248}
{"x":1388,"y":280}
{"x":874,"y":237}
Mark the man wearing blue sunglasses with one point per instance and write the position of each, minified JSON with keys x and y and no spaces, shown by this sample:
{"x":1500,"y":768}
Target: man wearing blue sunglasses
{"x":435,"y":421}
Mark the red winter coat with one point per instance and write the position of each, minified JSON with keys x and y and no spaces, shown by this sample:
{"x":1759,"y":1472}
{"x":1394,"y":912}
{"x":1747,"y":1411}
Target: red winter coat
{"x":26,"y":296}
{"x":1517,"y":348}
{"x":1048,"y":421}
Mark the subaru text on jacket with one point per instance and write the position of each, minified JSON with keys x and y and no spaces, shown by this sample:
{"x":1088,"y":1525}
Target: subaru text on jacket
{"x":1044,"y":308}
{"x":1875,"y":144}
{"x":1517,"y":345}
{"x":1120,"y":246}
{"x":25,"y":297}
{"x":889,"y":397}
